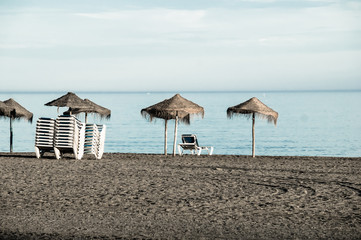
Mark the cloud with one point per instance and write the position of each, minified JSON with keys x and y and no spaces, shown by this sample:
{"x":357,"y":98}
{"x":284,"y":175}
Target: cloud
{"x":155,"y":27}
{"x":156,"y":17}
{"x":155,"y":44}
{"x":104,"y":15}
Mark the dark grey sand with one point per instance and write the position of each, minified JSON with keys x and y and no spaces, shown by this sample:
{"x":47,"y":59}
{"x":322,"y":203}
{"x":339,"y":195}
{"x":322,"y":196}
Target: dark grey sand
{"x":185,"y":197}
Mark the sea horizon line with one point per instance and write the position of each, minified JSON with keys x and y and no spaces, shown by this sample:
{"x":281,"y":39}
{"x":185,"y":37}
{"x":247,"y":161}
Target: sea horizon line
{"x":174,"y":91}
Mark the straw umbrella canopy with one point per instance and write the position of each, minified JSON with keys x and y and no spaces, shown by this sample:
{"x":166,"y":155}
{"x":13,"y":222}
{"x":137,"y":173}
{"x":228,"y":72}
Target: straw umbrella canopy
{"x":70,"y":100}
{"x":14,"y":111}
{"x":4,"y":109}
{"x":90,"y":107}
{"x":253,"y":107}
{"x":177,"y":108}
{"x":77,"y":105}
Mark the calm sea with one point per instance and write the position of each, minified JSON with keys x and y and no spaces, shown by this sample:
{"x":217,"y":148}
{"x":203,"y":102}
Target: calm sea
{"x":309,"y":123}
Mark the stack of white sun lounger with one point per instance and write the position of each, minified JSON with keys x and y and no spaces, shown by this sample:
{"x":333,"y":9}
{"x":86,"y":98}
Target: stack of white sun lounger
{"x":94,"y":140}
{"x":91,"y":139}
{"x":102,"y":130}
{"x":44,"y":136}
{"x":69,"y":136}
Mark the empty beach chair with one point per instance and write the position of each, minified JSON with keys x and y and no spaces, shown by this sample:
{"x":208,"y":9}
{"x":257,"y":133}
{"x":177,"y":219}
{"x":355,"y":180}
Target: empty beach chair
{"x":69,"y":136}
{"x":44,"y":136}
{"x":190,"y":143}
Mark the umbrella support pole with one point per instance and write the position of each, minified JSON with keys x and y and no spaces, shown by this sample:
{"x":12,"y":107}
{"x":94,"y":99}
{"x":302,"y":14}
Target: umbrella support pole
{"x":165,"y":136}
{"x":175,"y":135}
{"x":11,"y":135}
{"x":253,"y":136}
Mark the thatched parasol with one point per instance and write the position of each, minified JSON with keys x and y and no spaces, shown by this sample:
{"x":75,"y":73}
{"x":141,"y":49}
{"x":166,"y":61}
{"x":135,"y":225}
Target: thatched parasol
{"x":177,"y":108}
{"x":77,"y":105}
{"x":90,"y":107}
{"x":15,"y":111}
{"x":70,"y":100}
{"x":253,"y":107}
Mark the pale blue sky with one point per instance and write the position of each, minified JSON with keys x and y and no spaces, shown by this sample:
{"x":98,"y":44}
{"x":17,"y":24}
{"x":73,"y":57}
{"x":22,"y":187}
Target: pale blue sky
{"x":178,"y":45}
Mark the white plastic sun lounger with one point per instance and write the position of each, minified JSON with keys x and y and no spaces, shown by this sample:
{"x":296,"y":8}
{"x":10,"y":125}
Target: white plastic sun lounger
{"x":190,"y":143}
{"x":101,"y":142}
{"x":69,"y":136}
{"x":94,"y":140}
{"x":44,"y":136}
{"x":91,"y":139}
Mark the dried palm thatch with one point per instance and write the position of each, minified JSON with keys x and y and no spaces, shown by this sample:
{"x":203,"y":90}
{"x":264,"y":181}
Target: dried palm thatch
{"x":253,"y":107}
{"x":14,"y":110}
{"x":171,"y":108}
{"x":77,"y":105}
{"x":177,"y":108}
{"x":4,"y":110}
{"x":90,"y":107}
{"x":17,"y":111}
{"x":68,"y":100}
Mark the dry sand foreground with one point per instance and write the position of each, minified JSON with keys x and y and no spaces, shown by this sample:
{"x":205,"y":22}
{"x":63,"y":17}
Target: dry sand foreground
{"x":188,"y":197}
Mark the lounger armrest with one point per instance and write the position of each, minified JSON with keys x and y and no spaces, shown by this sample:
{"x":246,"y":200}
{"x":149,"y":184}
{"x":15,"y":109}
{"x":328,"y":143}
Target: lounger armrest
{"x":187,"y":144}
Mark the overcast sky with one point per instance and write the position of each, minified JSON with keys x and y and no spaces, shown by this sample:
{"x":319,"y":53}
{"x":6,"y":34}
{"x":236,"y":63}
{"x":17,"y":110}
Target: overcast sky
{"x":180,"y":45}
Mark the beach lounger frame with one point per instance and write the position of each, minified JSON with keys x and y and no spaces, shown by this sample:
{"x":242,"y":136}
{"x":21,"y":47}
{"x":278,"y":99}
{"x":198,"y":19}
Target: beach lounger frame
{"x":94,"y":140}
{"x":69,"y":136}
{"x":44,"y":136}
{"x":190,"y":143}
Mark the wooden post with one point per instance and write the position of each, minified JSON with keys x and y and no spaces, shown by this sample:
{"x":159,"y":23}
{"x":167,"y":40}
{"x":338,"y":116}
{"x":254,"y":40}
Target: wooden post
{"x":165,"y":136}
{"x":253,"y":137}
{"x":11,"y":135}
{"x":86,"y":118}
{"x":175,"y":134}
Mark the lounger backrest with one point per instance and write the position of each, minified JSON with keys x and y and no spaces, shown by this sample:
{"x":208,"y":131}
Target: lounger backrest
{"x":190,"y":138}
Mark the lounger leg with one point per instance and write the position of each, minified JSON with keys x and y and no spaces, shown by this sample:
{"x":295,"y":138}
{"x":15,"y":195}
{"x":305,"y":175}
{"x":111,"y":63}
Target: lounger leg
{"x":180,"y":152}
{"x":57,"y":153}
{"x":210,"y":151}
{"x":199,"y":151}
{"x":37,"y":152}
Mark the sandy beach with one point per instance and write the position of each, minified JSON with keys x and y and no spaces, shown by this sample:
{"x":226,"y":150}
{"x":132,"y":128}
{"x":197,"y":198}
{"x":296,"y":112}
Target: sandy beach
{"x":139,"y":196}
